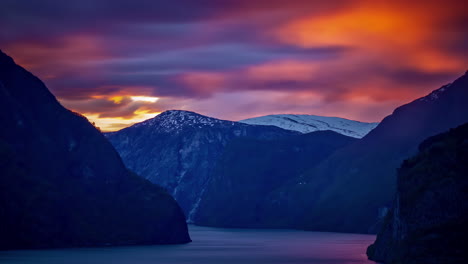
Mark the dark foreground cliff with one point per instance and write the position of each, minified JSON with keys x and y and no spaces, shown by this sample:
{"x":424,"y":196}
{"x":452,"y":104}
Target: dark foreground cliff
{"x":62,"y":184}
{"x":429,"y":220}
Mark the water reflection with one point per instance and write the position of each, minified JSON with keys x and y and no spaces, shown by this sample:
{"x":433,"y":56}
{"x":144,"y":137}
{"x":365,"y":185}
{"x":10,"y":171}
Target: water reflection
{"x":214,"y":245}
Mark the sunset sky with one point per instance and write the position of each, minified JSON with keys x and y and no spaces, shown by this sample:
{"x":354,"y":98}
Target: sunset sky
{"x":119,"y":62}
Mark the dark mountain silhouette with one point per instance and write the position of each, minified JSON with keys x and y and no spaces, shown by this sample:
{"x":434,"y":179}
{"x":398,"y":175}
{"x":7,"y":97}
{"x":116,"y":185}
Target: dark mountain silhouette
{"x":62,"y":184}
{"x":429,"y":219}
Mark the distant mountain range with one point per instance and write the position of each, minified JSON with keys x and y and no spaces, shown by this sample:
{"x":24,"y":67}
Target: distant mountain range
{"x":226,"y":173}
{"x":180,"y":149}
{"x":62,"y":184}
{"x":312,"y":123}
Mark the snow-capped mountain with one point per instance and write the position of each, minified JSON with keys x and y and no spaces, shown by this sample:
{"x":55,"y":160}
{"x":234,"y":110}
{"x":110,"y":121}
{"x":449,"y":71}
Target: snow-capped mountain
{"x":179,"y":150}
{"x":311,"y":123}
{"x":174,"y":121}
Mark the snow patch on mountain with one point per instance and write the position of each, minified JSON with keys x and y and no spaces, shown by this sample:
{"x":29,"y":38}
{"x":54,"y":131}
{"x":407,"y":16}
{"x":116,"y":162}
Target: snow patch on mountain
{"x":173,"y":121}
{"x":434,"y":95}
{"x":311,"y":123}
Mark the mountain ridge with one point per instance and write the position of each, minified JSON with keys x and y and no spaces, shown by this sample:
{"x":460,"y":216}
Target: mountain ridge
{"x":172,"y":120}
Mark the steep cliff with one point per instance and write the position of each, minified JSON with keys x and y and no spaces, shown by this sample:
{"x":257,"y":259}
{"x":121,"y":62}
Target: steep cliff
{"x":429,"y":219}
{"x":62,"y":184}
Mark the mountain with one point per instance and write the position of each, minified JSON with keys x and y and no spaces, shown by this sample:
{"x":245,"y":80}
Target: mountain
{"x":352,"y":189}
{"x":429,"y":219}
{"x":250,"y":169}
{"x":179,"y":150}
{"x":62,"y":184}
{"x":311,"y":123}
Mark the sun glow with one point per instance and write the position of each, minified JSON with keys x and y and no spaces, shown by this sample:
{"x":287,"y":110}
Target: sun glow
{"x":108,"y":124}
{"x":115,"y":111}
{"x":148,"y":99}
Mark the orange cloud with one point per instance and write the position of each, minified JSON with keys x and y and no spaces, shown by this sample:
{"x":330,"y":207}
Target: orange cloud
{"x":331,"y":80}
{"x":381,"y":32}
{"x":248,"y":77}
{"x":117,"y":110}
{"x":204,"y":83}
{"x":67,"y":51}
{"x":109,"y":124}
{"x":283,"y":71}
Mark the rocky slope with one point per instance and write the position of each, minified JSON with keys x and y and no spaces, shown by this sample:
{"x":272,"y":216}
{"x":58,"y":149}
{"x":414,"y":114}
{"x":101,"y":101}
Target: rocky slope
{"x":429,"y":219}
{"x":312,"y":123}
{"x":250,"y":169}
{"x":180,"y":149}
{"x":62,"y":184}
{"x":353,"y":188}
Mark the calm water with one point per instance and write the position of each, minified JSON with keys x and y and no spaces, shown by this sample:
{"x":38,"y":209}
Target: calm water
{"x":217,"y":246}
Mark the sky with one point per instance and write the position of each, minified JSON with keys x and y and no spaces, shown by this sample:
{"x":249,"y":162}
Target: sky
{"x":120,"y":62}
